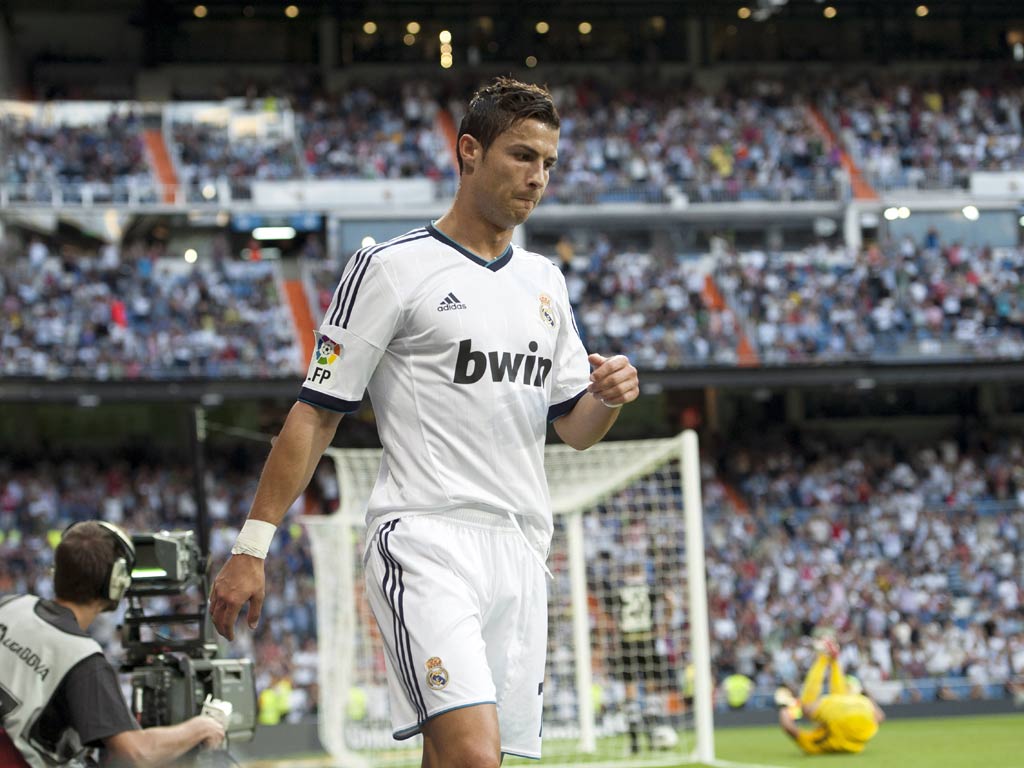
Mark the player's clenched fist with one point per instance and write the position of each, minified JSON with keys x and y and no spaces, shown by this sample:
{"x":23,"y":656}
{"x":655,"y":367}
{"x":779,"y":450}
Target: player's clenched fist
{"x":614,"y":381}
{"x":240,"y":581}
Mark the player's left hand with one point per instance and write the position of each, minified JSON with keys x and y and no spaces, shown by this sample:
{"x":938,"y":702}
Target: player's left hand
{"x":614,"y":381}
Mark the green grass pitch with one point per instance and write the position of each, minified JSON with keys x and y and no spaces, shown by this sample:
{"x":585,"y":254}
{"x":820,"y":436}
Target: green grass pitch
{"x":992,"y":741}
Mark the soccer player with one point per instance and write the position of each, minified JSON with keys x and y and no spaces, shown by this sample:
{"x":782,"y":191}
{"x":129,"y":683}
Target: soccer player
{"x":468,"y":348}
{"x":845,"y":720}
{"x":643,"y":669}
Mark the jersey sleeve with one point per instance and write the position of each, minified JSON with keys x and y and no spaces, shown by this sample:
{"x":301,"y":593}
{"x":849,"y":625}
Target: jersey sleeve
{"x":358,"y":326}
{"x":572,"y":370}
{"x":96,"y":709}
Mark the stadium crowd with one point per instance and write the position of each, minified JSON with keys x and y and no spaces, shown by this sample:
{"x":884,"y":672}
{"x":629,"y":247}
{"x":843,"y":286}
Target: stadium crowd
{"x":821,"y":304}
{"x":928,"y":134}
{"x":915,"y":555}
{"x":901,"y":298}
{"x":655,"y":144}
{"x":651,"y":303}
{"x":112,"y":314}
{"x":104,"y":159}
{"x":208,"y":156}
{"x":752,"y":139}
{"x":916,"y":558}
{"x":131,"y":313}
{"x":375,"y":133}
{"x":618,"y":143}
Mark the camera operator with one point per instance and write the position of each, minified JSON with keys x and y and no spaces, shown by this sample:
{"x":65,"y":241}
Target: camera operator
{"x":59,"y":696}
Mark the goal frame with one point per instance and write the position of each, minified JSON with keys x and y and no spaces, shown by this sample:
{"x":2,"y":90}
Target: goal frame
{"x":341,"y":614}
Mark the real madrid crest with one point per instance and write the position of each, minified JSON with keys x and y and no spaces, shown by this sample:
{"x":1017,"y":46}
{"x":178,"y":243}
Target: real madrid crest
{"x":437,"y":675}
{"x":547,"y":312}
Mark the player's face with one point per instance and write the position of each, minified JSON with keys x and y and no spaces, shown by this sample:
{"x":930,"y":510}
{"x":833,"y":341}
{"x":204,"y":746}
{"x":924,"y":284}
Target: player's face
{"x":510,"y":178}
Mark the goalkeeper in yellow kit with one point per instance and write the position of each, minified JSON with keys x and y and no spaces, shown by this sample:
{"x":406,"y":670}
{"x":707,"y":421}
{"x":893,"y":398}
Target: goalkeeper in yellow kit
{"x":845,"y":719}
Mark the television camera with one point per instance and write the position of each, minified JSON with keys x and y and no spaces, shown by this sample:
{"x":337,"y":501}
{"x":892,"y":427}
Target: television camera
{"x":174,"y":669}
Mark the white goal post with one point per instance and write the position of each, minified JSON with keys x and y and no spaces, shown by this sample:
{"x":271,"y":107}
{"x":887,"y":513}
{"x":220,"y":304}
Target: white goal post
{"x":629,"y":668}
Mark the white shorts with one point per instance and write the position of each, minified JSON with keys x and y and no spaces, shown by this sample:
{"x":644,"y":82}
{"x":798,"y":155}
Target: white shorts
{"x":461,"y":603}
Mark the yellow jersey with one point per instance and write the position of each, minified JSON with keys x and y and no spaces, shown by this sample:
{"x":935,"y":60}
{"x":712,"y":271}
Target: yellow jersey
{"x":845,"y":723}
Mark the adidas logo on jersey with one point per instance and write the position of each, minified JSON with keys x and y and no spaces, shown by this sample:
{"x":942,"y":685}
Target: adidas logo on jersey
{"x":449,"y":303}
{"x":471,"y":366}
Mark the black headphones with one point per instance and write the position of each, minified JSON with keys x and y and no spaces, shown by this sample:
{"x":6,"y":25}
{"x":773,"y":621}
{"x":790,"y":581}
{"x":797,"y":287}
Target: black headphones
{"x":119,"y":578}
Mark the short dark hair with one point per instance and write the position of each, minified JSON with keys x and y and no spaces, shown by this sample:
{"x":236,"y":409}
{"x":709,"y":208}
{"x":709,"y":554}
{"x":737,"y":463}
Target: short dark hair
{"x":82,"y":563}
{"x":497,"y":107}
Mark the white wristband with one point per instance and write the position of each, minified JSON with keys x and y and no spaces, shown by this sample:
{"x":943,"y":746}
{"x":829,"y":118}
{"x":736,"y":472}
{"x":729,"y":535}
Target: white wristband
{"x":254,"y":539}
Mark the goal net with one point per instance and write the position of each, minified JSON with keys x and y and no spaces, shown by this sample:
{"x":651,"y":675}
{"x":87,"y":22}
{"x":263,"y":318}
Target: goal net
{"x":628,"y":671}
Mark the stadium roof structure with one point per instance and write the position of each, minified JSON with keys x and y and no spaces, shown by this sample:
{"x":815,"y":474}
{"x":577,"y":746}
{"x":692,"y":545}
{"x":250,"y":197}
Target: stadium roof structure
{"x":455,"y":10}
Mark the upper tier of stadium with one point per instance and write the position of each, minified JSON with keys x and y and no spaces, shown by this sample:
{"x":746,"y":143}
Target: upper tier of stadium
{"x":109,"y":298}
{"x":755,"y":139}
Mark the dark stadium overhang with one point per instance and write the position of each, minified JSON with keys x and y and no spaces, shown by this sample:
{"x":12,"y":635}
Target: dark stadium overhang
{"x":526,"y":9}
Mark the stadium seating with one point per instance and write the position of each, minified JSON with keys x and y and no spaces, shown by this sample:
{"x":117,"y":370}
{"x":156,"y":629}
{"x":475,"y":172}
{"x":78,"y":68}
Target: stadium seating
{"x":927,"y":132}
{"x":751,"y":139}
{"x":901,"y":300}
{"x":375,"y":133}
{"x":915,"y":625}
{"x":662,"y":144}
{"x":137,"y":314}
{"x":100,"y":159}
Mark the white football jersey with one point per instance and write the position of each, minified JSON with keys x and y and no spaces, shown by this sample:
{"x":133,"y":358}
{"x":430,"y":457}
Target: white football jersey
{"x":465,"y":360}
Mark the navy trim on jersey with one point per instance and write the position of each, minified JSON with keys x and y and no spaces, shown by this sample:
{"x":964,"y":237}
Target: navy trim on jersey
{"x":345,"y":299}
{"x":358,"y":270}
{"x":560,"y":409}
{"x":572,"y":316}
{"x":393,"y":572}
{"x":412,"y":730}
{"x":494,"y":264}
{"x":328,"y":402}
{"x":341,"y":292}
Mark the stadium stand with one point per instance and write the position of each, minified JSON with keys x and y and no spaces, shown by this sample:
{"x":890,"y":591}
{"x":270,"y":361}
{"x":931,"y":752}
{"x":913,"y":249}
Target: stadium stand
{"x":898,"y":300}
{"x":901,"y":300}
{"x":658,"y":144}
{"x":928,"y":132}
{"x":113,"y":314}
{"x":845,"y":538}
{"x":375,"y":133}
{"x":752,"y":142}
{"x":100,"y":156}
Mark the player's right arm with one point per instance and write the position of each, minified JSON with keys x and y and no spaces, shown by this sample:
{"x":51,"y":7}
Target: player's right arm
{"x":161,"y":745}
{"x":356,"y":330}
{"x":306,"y":433}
